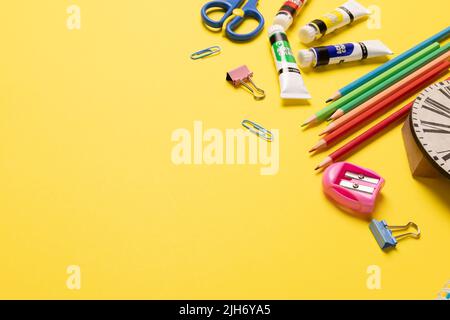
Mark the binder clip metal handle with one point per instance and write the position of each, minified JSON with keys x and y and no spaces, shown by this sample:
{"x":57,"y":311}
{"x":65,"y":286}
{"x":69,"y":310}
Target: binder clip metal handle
{"x":257,"y":92}
{"x":384,"y":234}
{"x":242,"y":76}
{"x":406,"y":227}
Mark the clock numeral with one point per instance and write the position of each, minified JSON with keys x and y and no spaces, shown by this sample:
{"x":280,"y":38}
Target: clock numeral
{"x":437,"y":107}
{"x":434,"y":127}
{"x":446,"y":157}
{"x":446,"y":92}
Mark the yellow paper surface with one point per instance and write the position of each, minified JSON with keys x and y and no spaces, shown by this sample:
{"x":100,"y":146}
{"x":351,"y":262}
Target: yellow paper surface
{"x":87,"y":179}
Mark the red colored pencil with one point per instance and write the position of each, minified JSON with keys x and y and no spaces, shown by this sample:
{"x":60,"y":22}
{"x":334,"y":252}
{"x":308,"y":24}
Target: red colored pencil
{"x":357,"y":122}
{"x":378,"y":128}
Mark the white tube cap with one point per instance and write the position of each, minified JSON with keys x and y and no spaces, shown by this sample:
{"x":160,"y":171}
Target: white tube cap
{"x":306,"y":58}
{"x":283,"y":20}
{"x":307,"y":34}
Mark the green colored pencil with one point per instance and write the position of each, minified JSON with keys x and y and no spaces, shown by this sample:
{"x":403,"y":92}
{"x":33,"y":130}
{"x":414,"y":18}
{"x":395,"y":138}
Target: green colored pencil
{"x":392,"y":80}
{"x":326,"y":112}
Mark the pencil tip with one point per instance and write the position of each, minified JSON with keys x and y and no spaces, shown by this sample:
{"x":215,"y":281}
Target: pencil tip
{"x":317,"y":168}
{"x":320,"y":145}
{"x":335,"y":97}
{"x":309,"y":121}
{"x":328,"y":129}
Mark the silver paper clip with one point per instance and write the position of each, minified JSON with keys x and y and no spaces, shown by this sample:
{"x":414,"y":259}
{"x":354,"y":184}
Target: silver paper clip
{"x":258,"y":130}
{"x":206,"y":52}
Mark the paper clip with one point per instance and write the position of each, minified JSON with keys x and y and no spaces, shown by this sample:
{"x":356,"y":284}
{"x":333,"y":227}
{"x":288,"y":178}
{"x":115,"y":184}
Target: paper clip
{"x":384,"y":233}
{"x":206,"y":52}
{"x":258,"y":130}
{"x":243,"y":76}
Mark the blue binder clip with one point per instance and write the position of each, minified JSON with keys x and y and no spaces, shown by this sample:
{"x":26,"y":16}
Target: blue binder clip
{"x":384,"y":234}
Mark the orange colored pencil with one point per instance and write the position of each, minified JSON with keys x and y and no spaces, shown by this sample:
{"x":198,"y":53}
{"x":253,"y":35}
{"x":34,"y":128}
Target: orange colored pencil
{"x":340,"y":113}
{"x":341,"y":118}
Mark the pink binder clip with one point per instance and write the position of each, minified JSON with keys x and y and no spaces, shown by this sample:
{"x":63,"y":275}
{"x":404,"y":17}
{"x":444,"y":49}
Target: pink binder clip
{"x":243,"y":76}
{"x":352,"y":188}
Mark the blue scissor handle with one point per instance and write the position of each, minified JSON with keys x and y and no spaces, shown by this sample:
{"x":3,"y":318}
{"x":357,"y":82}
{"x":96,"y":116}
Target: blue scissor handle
{"x":226,"y":5}
{"x":250,"y":11}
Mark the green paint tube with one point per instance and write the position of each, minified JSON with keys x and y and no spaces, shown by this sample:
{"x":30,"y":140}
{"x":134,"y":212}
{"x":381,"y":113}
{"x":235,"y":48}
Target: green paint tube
{"x":292,"y":85}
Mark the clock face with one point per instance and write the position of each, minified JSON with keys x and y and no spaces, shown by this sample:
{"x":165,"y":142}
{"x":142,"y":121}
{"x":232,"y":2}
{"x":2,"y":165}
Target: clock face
{"x":430,"y":120}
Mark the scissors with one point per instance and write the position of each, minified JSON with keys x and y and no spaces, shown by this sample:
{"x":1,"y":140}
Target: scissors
{"x":233,"y":8}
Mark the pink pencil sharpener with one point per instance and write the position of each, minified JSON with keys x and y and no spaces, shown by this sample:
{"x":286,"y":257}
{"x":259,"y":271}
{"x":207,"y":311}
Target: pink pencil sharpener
{"x":352,"y":188}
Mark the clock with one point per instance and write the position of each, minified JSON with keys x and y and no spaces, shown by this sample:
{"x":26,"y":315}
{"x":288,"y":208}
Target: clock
{"x":427,"y":132}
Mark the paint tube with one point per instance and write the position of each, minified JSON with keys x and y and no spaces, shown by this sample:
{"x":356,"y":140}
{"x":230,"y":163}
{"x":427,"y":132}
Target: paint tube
{"x":291,"y":81}
{"x":285,"y":17}
{"x":332,"y":21}
{"x":322,"y":56}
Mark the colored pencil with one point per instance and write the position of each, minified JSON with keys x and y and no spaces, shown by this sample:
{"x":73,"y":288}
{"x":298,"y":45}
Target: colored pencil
{"x":390,"y":101}
{"x":378,"y":128}
{"x":326,"y":112}
{"x":441,"y":36}
{"x":340,"y":117}
{"x":393,"y":79}
{"x":396,"y":76}
{"x":355,"y":143}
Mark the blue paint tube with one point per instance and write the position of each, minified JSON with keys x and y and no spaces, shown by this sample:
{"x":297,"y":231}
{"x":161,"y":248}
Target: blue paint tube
{"x":336,"y":54}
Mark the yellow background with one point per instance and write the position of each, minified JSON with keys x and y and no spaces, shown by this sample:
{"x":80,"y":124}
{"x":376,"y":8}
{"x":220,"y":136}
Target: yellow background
{"x":86,"y":118}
